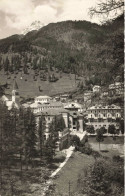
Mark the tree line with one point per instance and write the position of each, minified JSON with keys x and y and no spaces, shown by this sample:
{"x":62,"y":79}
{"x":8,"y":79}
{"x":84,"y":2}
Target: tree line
{"x":23,"y":146}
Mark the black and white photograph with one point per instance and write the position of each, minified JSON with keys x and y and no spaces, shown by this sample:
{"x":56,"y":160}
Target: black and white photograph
{"x":62,"y":98}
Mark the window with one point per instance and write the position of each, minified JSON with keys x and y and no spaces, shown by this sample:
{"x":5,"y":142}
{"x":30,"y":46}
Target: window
{"x":16,"y":93}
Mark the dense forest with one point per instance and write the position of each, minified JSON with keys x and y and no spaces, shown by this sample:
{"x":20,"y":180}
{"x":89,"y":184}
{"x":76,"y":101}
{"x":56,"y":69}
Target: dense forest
{"x":79,"y":47}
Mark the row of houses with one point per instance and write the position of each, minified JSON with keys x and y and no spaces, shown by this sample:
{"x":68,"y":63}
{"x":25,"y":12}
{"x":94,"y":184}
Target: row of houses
{"x":116,"y":89}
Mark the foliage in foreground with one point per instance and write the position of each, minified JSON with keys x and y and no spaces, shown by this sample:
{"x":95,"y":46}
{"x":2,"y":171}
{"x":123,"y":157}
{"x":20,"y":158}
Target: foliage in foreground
{"x":104,"y":178}
{"x":22,"y":151}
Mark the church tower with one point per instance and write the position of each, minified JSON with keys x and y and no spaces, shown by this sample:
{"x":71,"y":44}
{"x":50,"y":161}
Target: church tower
{"x":15,"y":93}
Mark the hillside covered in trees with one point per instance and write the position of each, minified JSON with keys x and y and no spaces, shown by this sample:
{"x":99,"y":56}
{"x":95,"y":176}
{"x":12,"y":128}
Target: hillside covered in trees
{"x":93,"y":52}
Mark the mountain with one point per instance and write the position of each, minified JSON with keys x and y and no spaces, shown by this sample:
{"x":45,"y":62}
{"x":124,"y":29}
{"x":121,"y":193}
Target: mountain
{"x":92,"y":53}
{"x":36,"y":25}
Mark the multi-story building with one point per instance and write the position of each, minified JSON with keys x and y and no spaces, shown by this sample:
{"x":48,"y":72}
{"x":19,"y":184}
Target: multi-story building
{"x":116,"y":89}
{"x":43,"y":99}
{"x":73,"y":119}
{"x":102,"y":116}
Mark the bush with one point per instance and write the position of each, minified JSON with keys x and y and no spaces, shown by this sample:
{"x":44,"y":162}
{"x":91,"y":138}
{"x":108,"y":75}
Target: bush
{"x":96,"y":154}
{"x":86,"y":149}
{"x":103,"y":177}
{"x":117,"y":158}
{"x":75,"y":141}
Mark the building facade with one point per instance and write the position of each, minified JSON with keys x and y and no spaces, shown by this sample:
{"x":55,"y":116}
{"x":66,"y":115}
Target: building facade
{"x":43,"y":99}
{"x":74,"y":106}
{"x":88,"y":96}
{"x":103,"y":116}
{"x":73,"y":120}
{"x":116,"y":89}
{"x":37,"y":107}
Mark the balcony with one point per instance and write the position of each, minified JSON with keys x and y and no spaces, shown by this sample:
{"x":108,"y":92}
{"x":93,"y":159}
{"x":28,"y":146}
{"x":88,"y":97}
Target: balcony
{"x":109,"y":119}
{"x":100,"y":119}
{"x":91,"y":120}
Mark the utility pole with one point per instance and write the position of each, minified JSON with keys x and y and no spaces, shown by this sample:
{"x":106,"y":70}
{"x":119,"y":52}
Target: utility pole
{"x":69,"y":188}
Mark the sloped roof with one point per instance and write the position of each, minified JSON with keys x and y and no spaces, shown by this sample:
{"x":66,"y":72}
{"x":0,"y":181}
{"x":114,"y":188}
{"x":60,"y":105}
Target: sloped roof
{"x":53,"y":112}
{"x":43,"y":97}
{"x":4,"y":98}
{"x":45,"y":105}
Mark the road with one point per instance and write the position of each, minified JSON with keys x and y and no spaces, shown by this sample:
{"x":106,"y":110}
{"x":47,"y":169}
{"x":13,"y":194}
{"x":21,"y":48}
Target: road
{"x":68,"y":153}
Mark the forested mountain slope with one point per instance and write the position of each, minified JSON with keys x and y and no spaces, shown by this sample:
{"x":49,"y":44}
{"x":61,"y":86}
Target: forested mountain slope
{"x":94,"y":52}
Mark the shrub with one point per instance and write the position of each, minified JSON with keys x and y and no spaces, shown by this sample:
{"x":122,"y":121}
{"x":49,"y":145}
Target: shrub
{"x":117,"y":158}
{"x":96,"y":154}
{"x":86,"y":149}
{"x":75,"y":140}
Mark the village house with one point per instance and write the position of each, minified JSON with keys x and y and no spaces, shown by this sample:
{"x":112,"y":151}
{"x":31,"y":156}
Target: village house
{"x":116,"y":89}
{"x":96,"y":89}
{"x":103,"y":116}
{"x":64,"y":97}
{"x":43,"y":99}
{"x":88,"y":96}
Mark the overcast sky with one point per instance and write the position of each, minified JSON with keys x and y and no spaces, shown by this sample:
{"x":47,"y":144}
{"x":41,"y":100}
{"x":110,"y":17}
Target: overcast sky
{"x":16,"y":15}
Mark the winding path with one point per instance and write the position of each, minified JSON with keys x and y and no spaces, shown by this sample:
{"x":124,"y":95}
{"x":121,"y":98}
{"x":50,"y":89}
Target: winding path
{"x":68,"y":152}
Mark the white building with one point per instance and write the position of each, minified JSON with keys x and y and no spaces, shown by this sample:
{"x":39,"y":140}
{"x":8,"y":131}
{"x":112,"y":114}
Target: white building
{"x":42,"y":99}
{"x":74,"y":106}
{"x":117,"y":88}
{"x":88,"y":95}
{"x":14,"y":101}
{"x":96,"y":88}
{"x":64,"y":97}
{"x":103,"y":116}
